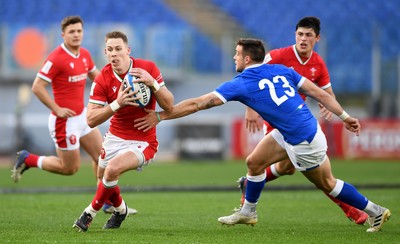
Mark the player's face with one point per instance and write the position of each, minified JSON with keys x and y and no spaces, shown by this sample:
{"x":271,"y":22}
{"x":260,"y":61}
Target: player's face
{"x":73,"y":35}
{"x":305,"y":41}
{"x":239,"y":59}
{"x":117,"y":53}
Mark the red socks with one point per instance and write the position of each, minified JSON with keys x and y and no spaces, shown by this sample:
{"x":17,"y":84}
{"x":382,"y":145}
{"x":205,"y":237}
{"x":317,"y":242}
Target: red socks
{"x":32,"y":160}
{"x":102,"y":195}
{"x":270,"y":175}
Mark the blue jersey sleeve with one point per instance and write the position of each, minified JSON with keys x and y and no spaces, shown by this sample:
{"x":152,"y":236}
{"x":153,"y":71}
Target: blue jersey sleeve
{"x":230,"y":90}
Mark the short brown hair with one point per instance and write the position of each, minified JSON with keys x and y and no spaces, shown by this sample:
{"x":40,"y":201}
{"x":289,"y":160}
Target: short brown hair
{"x":253,"y":48}
{"x":70,"y":20}
{"x":116,"y":35}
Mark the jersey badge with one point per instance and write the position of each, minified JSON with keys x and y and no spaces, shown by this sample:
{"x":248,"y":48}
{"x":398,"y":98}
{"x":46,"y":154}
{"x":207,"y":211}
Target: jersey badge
{"x":72,"y":139}
{"x":313,"y":70}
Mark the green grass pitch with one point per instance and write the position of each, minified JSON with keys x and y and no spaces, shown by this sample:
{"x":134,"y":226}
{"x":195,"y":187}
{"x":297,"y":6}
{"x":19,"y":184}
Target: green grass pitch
{"x":184,"y":207}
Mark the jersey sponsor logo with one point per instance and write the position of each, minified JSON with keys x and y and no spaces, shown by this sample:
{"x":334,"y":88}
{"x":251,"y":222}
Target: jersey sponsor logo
{"x":72,"y":139}
{"x":77,"y":78}
{"x":46,"y":67}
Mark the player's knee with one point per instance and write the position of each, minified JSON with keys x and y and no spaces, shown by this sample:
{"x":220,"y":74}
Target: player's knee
{"x":254,"y":167}
{"x":70,"y":170}
{"x":290,"y":171}
{"x":111,"y":173}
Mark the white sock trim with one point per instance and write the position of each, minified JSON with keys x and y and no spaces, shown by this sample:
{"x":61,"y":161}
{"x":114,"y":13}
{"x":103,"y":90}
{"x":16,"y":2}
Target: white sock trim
{"x":109,"y":183}
{"x":91,"y":210}
{"x":273,"y":171}
{"x":372,"y":209}
{"x":256,"y":178}
{"x":337,"y":189}
{"x":121,"y":208}
{"x":248,"y":207}
{"x":40,"y":162}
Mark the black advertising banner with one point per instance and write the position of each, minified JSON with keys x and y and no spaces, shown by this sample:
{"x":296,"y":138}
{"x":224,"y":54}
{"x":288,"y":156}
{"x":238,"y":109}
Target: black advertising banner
{"x":200,"y":141}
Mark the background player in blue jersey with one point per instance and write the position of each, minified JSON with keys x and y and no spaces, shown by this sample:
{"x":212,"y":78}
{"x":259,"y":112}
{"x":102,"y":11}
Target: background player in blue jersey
{"x":272,"y":91}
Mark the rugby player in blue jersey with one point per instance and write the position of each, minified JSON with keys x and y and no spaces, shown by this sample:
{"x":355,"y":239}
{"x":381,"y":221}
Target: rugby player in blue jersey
{"x":272,"y":91}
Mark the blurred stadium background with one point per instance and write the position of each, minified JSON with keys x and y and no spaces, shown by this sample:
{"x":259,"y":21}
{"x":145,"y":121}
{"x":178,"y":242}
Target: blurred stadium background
{"x":192,"y":41}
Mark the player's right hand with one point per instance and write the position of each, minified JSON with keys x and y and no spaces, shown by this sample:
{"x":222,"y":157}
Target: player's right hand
{"x":65,"y":113}
{"x":127,"y":97}
{"x":147,"y":122}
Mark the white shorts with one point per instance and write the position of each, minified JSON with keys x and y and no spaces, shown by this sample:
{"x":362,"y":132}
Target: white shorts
{"x":66,"y":133}
{"x":304,"y":156}
{"x":114,"y":145}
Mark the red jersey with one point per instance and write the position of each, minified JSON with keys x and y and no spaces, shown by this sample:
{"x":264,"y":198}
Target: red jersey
{"x":67,"y":74}
{"x":313,"y":68}
{"x":105,"y":90}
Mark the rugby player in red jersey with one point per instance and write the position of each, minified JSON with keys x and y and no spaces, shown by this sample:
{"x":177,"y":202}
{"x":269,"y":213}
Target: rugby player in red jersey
{"x":125,"y":148}
{"x":66,"y":69}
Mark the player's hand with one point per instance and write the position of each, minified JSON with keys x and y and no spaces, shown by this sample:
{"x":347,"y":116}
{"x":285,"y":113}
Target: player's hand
{"x":147,"y":122}
{"x":353,"y":125}
{"x":324,"y":112}
{"x":252,"y":120}
{"x":142,"y":76}
{"x":126,"y":96}
{"x":64,"y":113}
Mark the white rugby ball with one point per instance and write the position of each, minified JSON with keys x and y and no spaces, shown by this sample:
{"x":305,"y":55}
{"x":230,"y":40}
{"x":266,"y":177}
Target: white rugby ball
{"x":144,"y":91}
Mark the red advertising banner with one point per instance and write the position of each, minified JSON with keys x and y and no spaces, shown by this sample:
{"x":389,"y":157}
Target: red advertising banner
{"x":379,"y":139}
{"x":243,"y":142}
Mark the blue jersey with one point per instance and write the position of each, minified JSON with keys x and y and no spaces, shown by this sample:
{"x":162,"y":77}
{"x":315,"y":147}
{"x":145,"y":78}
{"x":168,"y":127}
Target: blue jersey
{"x":271,"y":90}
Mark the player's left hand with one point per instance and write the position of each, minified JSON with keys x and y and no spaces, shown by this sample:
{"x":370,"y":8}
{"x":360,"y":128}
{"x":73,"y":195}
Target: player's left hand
{"x":142,"y":76}
{"x":353,"y":125}
{"x":253,"y":124}
{"x":324,"y":112}
{"x":147,"y":122}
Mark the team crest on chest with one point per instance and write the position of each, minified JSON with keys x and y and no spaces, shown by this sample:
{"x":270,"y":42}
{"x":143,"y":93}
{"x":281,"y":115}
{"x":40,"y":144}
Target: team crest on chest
{"x":85,"y":63}
{"x":71,"y":65}
{"x":313,"y":70}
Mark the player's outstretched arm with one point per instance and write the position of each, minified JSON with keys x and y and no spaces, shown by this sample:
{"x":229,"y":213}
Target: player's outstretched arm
{"x":184,"y":108}
{"x":351,"y":124}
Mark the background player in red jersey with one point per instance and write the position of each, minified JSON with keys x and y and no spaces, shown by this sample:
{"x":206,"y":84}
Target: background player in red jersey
{"x":125,"y":147}
{"x":66,"y":69}
{"x":303,"y":59}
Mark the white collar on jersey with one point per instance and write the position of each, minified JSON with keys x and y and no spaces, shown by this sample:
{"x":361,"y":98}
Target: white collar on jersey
{"x":298,"y":56}
{"x":68,"y":51}
{"x":117,"y":76}
{"x":254,"y":66}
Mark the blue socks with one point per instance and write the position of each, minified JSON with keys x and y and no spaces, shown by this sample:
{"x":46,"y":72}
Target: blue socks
{"x":255,"y":185}
{"x":349,"y":194}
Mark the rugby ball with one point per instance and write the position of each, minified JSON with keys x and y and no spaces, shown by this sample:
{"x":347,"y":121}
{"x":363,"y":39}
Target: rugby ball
{"x":144,"y":91}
